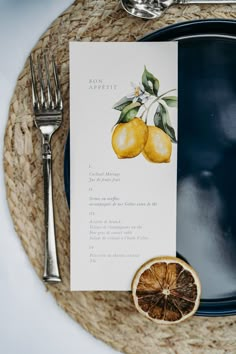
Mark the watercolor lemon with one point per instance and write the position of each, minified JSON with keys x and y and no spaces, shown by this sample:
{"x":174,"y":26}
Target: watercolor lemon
{"x":158,"y":147}
{"x":129,"y":139}
{"x":167,"y":290}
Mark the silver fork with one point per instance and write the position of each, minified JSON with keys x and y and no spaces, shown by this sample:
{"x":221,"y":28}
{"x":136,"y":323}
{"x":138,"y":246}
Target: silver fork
{"x":149,"y":9}
{"x":48,"y":108}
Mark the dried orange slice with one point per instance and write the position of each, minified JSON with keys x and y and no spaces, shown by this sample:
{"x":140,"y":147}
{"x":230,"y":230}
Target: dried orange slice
{"x":166,"y":290}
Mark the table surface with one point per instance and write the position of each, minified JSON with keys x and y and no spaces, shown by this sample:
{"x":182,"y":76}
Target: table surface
{"x":31,"y":321}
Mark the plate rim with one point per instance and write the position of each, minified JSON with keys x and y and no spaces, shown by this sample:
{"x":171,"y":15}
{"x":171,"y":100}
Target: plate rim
{"x":188,"y":25}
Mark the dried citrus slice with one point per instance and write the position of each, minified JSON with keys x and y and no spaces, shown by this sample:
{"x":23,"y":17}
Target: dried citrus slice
{"x":166,"y":290}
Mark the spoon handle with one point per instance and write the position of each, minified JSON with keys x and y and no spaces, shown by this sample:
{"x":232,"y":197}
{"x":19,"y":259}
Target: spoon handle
{"x":206,"y":1}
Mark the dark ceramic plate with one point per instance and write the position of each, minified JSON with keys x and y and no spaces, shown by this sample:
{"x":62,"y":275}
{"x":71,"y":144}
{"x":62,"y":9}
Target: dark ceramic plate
{"x":206,"y":208}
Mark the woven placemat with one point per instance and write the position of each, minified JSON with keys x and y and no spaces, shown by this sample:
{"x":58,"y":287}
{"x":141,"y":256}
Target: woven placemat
{"x":110,"y":316}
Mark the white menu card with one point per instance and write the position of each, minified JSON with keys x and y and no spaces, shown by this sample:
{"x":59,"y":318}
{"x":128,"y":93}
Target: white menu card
{"x":123,"y":131}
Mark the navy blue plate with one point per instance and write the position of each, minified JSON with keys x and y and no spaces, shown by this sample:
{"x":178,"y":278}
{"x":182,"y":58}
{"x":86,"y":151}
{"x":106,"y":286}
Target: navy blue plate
{"x":206,"y":222}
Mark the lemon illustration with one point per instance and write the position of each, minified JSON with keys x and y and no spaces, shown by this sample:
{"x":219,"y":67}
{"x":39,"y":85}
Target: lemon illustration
{"x":158,"y":147}
{"x":129,"y":139}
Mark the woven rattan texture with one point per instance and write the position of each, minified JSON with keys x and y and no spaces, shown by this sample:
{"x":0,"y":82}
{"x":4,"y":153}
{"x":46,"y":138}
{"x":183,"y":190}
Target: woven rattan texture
{"x":110,"y":316}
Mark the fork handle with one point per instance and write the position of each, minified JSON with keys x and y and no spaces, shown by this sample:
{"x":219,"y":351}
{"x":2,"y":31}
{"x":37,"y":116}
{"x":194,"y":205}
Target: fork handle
{"x":51,"y":269}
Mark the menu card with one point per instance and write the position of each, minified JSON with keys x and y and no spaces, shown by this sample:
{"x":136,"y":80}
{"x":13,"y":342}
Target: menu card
{"x":123,"y":131}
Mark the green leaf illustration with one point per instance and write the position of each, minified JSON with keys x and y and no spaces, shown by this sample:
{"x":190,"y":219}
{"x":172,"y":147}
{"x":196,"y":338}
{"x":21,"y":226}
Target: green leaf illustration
{"x":129,"y":112}
{"x":171,"y":101}
{"x":162,"y":121}
{"x":150,"y":82}
{"x":122,"y":103}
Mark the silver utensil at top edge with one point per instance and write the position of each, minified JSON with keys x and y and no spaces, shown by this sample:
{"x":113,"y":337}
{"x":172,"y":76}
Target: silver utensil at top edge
{"x":48,"y":107}
{"x":150,"y":9}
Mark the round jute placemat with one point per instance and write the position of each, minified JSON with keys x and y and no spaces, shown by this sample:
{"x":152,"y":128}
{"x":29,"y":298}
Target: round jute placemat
{"x":110,"y":316}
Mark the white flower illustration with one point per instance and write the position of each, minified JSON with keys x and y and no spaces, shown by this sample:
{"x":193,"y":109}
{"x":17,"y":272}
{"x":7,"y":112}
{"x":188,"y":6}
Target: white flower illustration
{"x":138,"y":93}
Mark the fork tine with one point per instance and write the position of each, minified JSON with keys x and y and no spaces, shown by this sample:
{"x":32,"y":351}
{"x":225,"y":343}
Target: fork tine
{"x":35,"y":99}
{"x":49,"y":88}
{"x":59,"y":103}
{"x":42,"y":87}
